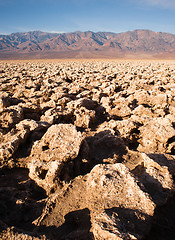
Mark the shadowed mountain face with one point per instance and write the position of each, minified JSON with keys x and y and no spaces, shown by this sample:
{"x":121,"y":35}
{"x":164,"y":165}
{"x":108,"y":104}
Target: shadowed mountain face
{"x":87,"y":44}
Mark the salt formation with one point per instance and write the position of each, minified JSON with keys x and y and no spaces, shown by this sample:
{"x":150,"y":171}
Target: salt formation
{"x":87,"y":150}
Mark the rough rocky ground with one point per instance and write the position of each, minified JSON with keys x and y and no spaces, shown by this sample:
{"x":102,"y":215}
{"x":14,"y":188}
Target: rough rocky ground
{"x":87,"y":150}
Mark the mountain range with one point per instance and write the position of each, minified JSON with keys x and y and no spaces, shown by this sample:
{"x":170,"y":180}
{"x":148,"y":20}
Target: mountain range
{"x":137,"y":43}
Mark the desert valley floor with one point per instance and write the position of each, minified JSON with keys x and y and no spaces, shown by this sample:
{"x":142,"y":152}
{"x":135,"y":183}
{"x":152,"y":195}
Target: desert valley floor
{"x":87,"y":150}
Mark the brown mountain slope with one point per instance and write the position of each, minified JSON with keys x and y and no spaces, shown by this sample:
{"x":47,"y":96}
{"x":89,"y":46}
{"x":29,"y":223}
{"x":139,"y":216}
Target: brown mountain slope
{"x":87,"y":44}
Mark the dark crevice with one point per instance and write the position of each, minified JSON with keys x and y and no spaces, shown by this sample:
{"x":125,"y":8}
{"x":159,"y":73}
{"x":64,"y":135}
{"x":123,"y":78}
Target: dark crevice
{"x":132,"y":140}
{"x":100,"y":117}
{"x":133,"y":145}
{"x":163,"y":222}
{"x":19,"y":199}
{"x":41,"y":173}
{"x":44,"y":148}
{"x":101,"y":148}
{"x":173,"y":123}
{"x":118,"y":89}
{"x":173,"y":176}
{"x":24,"y":148}
{"x":117,"y":118}
{"x":133,"y":104}
{"x":172,"y":151}
{"x":171,"y":140}
{"x":146,"y":105}
{"x":80,"y":129}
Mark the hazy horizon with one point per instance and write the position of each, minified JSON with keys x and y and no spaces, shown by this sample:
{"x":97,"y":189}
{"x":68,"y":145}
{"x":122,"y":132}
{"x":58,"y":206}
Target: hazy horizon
{"x":38,"y":30}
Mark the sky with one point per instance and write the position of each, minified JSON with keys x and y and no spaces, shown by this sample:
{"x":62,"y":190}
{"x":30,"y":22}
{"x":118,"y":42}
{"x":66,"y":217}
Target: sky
{"x":86,"y":15}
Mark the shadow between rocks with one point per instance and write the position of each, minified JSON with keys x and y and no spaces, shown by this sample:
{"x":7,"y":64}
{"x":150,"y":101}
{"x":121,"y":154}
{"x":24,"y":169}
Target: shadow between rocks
{"x":162,"y":160}
{"x":129,"y":221}
{"x":151,"y":185}
{"x":24,"y":148}
{"x":163,"y":222}
{"x":77,"y":226}
{"x":103,"y":147}
{"x":20,"y":199}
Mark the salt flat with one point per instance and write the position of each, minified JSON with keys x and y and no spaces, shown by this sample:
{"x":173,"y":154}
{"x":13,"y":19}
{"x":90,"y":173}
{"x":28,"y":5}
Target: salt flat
{"x":87,"y":149}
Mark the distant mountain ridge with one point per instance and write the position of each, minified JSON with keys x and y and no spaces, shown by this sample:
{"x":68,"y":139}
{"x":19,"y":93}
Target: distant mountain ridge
{"x":39,"y":44}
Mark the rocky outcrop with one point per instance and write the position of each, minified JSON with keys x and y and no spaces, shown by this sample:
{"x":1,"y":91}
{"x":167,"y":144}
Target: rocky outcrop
{"x":116,"y":190}
{"x":60,"y":144}
{"x":157,"y":136}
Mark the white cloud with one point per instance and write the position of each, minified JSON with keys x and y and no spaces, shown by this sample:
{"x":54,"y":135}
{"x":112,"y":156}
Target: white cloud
{"x":162,"y":3}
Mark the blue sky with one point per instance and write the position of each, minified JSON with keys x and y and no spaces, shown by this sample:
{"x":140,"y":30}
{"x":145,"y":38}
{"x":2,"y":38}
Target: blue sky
{"x":83,"y":15}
